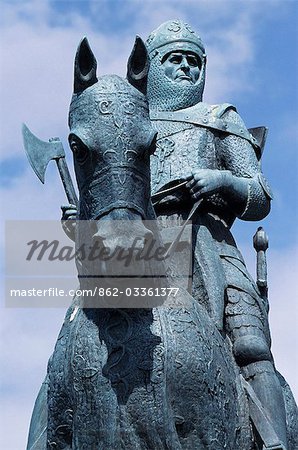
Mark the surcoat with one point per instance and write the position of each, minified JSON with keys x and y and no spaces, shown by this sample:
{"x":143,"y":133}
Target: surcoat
{"x":211,"y":137}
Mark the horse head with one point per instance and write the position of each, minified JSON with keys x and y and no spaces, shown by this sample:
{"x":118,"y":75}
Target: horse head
{"x":111,"y":138}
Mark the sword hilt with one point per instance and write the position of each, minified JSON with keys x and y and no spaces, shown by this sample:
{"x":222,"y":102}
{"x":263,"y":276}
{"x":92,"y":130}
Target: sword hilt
{"x":261,"y":244}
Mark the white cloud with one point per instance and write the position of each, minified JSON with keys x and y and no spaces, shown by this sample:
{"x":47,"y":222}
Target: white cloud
{"x":39,"y":68}
{"x":37,"y":74}
{"x":27,"y":341}
{"x":9,"y":438}
{"x":28,"y":198}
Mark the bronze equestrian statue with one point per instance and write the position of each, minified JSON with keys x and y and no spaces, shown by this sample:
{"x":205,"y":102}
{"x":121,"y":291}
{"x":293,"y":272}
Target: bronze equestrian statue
{"x":192,"y":375}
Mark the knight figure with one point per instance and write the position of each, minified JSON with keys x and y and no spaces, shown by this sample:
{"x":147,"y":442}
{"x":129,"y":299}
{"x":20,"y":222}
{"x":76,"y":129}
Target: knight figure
{"x":209,"y":146}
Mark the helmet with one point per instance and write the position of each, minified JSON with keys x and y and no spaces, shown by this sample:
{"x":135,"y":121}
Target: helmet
{"x":164,"y":94}
{"x":174,"y":35}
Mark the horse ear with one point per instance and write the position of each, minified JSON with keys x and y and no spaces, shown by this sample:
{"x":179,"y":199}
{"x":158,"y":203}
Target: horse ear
{"x":138,"y":66}
{"x":84,"y":67}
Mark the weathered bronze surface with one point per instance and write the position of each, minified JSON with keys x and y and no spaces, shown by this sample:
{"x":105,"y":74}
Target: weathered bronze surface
{"x":199,"y":375}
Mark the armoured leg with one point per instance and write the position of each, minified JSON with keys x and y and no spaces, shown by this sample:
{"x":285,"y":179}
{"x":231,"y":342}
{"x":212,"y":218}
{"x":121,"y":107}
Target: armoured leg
{"x":263,"y":379}
{"x":247,"y":330}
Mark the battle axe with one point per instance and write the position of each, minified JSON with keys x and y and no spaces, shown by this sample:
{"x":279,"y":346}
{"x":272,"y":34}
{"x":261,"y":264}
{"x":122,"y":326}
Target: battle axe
{"x":40,"y":154}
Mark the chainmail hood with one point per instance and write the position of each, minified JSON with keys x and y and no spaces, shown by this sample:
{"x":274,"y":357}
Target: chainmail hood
{"x":164,"y":94}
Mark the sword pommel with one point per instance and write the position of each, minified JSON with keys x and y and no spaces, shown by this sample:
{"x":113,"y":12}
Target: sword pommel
{"x":261,"y":244}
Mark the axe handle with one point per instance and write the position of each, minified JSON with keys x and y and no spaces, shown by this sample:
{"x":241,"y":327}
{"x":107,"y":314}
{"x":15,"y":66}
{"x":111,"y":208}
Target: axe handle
{"x":67,"y":181}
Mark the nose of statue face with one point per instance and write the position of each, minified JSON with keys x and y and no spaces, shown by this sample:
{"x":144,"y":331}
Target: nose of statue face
{"x":184,"y":64}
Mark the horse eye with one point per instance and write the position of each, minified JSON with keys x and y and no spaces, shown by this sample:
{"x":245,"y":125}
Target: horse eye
{"x":80,"y":150}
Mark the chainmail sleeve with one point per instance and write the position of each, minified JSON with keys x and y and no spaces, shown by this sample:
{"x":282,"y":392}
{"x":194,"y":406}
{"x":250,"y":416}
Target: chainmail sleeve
{"x":238,"y":156}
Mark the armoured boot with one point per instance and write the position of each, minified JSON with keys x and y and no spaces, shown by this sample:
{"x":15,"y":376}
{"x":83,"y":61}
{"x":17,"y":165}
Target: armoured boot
{"x":266,"y":401}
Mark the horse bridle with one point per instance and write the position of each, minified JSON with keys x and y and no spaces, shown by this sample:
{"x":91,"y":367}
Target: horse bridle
{"x":104,"y":203}
{"x":155,"y":200}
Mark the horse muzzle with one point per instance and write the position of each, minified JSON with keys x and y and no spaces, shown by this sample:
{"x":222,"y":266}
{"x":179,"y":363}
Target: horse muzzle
{"x":121,"y":245}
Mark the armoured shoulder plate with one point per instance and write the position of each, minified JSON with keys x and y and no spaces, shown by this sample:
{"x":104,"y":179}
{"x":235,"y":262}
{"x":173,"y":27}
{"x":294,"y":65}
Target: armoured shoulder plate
{"x":265,"y":185}
{"x":208,"y":116}
{"x":218,"y":111}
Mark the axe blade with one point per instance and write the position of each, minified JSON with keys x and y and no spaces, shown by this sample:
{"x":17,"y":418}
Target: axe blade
{"x":39,"y":152}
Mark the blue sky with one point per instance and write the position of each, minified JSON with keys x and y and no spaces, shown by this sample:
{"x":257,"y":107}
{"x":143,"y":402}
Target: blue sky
{"x":252,"y":63}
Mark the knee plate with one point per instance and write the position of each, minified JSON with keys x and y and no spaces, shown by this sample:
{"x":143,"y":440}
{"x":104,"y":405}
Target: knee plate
{"x":249,"y":349}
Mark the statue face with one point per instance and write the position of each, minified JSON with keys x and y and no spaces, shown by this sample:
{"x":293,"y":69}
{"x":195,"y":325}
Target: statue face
{"x":182,"y":67}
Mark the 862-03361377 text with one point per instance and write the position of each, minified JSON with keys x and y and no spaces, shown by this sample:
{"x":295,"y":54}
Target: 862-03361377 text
{"x":97,"y":291}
